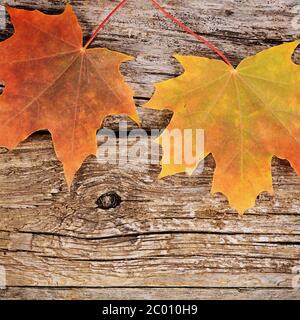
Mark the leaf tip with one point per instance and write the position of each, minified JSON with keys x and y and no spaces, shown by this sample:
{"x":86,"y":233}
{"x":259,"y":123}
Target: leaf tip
{"x":129,"y":58}
{"x":69,"y":181}
{"x":9,"y":8}
{"x":164,"y":173}
{"x":68,"y":7}
{"x":177,"y":56}
{"x":135,"y":117}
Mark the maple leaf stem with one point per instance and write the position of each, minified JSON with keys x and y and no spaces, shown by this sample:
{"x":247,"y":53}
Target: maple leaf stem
{"x":168,"y":15}
{"x":207,"y":43}
{"x":104,"y":22}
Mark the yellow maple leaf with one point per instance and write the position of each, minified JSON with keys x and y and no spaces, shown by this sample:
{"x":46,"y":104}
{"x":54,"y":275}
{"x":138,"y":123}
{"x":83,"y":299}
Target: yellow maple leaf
{"x":249,"y":114}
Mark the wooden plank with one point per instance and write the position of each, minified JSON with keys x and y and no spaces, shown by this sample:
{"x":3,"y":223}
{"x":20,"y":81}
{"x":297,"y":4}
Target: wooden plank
{"x":167,"y":238}
{"x":148,"y":294}
{"x":167,"y":233}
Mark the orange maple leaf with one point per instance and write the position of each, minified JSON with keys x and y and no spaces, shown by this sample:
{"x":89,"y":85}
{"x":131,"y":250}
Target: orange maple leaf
{"x":52,"y":82}
{"x":249,"y":114}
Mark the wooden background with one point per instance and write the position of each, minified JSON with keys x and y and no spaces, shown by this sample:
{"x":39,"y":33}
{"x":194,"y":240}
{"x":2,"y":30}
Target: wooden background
{"x":164,"y":239}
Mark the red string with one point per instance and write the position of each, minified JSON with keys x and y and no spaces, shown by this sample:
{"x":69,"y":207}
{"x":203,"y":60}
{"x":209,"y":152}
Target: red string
{"x":180,"y":24}
{"x":104,"y":22}
{"x":168,"y":15}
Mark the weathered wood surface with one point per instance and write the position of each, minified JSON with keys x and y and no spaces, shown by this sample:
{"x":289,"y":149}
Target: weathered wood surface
{"x":169,"y":238}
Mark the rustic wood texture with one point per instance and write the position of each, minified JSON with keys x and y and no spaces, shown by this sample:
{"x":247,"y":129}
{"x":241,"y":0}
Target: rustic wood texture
{"x":169,"y":238}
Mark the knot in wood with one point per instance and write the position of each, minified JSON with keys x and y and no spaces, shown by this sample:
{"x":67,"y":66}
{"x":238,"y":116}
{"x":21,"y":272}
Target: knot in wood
{"x":108,"y":201}
{"x":2,"y":87}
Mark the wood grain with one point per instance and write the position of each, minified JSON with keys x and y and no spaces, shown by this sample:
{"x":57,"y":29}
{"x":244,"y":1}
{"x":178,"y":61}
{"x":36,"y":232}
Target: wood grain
{"x":168,"y":238}
{"x":167,"y":233}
